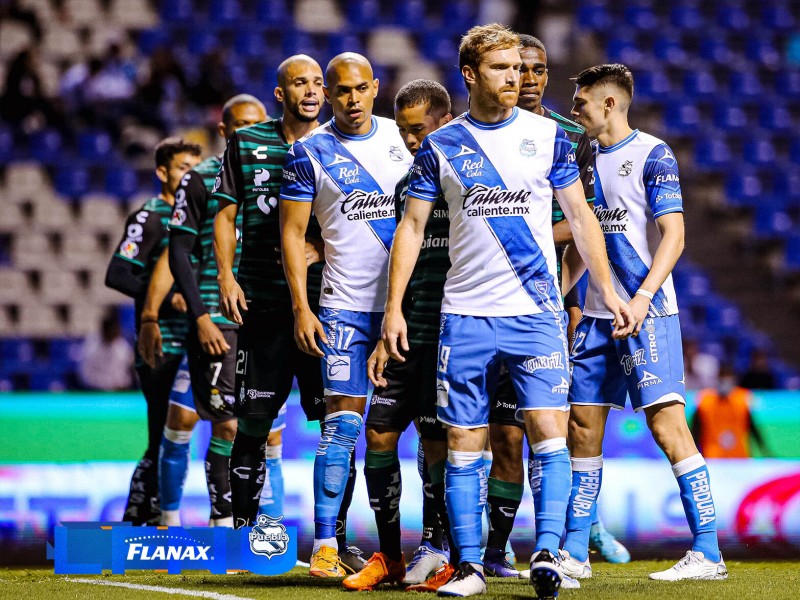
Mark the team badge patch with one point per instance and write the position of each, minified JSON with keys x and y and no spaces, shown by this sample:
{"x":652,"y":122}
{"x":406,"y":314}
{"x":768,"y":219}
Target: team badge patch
{"x":269,"y":537}
{"x":395,"y":153}
{"x":129,"y":249}
{"x":527,"y":148}
{"x":626,"y":168}
{"x":178,"y":217}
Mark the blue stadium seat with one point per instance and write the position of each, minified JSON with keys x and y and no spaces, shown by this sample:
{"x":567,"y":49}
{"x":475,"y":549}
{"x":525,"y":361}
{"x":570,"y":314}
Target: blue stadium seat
{"x":713,"y":154}
{"x":173,"y":11}
{"x":72,"y":180}
{"x":733,"y":18}
{"x":787,"y":83}
{"x":775,"y":117}
{"x":771,"y":222}
{"x":458,"y":16}
{"x":685,"y":119}
{"x":224,"y":11}
{"x":64,"y":350}
{"x":121,"y":181}
{"x":778,"y":16}
{"x":641,"y":17}
{"x":786,"y":184}
{"x":731,"y":118}
{"x":744,"y":188}
{"x":127,"y":321}
{"x":250,"y":43}
{"x":47,"y":381}
{"x":410,"y":14}
{"x":439,"y":48}
{"x":150,"y":39}
{"x":760,"y":152}
{"x":669,"y":49}
{"x":46,"y":146}
{"x":6,"y":143}
{"x":363,"y":14}
{"x":686,"y":16}
{"x":277,"y":13}
{"x":714,"y":47}
{"x":794,"y":151}
{"x":625,"y":50}
{"x":202,"y":42}
{"x":653,"y":85}
{"x":16,"y":350}
{"x":762,"y":49}
{"x":792,"y":253}
{"x":301,"y":43}
{"x":344,"y":42}
{"x":700,"y":84}
{"x":594,"y":16}
{"x":94,"y":145}
{"x":744,"y":86}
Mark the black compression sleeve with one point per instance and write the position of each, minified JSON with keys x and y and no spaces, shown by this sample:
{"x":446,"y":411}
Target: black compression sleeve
{"x":121,"y":276}
{"x":180,"y":250}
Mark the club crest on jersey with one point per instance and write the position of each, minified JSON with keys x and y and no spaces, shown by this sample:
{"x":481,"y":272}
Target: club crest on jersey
{"x":395,"y":153}
{"x":626,"y":168}
{"x":129,"y":249}
{"x":269,"y":537}
{"x":527,"y":148}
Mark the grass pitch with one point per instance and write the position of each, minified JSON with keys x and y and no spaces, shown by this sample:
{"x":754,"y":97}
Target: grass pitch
{"x":761,"y":580}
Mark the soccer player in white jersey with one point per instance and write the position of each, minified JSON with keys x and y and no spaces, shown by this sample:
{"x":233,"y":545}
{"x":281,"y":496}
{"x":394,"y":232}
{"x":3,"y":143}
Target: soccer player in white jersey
{"x":346,"y":171}
{"x":636,"y":183}
{"x":497,"y":167}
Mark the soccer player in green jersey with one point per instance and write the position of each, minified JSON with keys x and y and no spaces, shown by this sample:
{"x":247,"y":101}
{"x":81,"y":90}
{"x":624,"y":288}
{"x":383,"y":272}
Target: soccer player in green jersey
{"x":130,"y":270}
{"x":406,"y":391}
{"x":211,"y":343}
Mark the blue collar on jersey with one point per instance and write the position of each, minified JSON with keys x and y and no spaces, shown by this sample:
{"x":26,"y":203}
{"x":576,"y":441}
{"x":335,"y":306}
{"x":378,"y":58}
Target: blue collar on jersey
{"x":618,"y":145}
{"x":350,"y":136}
{"x":498,"y":125}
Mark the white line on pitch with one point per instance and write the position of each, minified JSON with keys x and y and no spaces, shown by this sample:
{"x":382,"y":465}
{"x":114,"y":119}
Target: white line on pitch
{"x":156,"y":588}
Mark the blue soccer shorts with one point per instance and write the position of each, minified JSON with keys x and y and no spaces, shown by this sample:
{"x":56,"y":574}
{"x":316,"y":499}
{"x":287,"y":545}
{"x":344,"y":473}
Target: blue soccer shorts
{"x":351,"y":339}
{"x":471,"y":351}
{"x":648,"y":367}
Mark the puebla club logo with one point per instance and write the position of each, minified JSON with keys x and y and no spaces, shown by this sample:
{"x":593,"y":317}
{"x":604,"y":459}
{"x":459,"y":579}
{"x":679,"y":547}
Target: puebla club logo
{"x":269,"y":537}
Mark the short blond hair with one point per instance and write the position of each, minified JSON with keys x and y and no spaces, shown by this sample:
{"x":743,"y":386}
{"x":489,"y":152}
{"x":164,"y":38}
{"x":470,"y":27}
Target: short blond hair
{"x":482,"y":39}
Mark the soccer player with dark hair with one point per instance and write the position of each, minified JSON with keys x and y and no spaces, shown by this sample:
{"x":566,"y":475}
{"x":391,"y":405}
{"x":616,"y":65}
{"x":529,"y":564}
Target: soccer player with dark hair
{"x":497,"y":167}
{"x":346,"y":170}
{"x":212,"y":338}
{"x":130,"y":270}
{"x":406,"y":391}
{"x":637,"y":185}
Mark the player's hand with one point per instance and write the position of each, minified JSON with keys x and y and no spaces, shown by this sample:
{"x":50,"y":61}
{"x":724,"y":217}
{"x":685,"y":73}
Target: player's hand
{"x":639,"y":306}
{"x":178,"y":302}
{"x":210,"y":337}
{"x":395,"y":334}
{"x":315,"y":251}
{"x":149,"y":344}
{"x":306,"y":327}
{"x":376,"y":364}
{"x":624,"y":320}
{"x":231,"y":299}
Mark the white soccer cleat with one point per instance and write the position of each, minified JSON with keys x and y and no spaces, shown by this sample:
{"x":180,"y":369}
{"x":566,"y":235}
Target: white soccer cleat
{"x":693,"y":566}
{"x":524,"y":574}
{"x":424,"y":562}
{"x":572,"y":567}
{"x":466,"y":582}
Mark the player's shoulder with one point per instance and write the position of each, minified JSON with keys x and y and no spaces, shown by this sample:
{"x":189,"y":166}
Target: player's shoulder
{"x":448,"y":130}
{"x":259,"y":131}
{"x":154,"y":206}
{"x":566,"y":124}
{"x":209,"y":166}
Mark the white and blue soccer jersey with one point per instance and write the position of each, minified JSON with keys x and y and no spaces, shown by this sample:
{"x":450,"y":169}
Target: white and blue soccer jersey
{"x":498,"y":182}
{"x":636,"y":181}
{"x":350,"y":179}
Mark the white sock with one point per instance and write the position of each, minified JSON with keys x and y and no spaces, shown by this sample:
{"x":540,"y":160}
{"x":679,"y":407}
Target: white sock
{"x":330,"y":542}
{"x":171,"y":517}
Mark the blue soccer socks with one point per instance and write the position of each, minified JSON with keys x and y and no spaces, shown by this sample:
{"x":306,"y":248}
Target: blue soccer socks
{"x":552,"y":496}
{"x":465,"y":494}
{"x":698,"y":504}
{"x":173,"y":464}
{"x":587,"y":477}
{"x":271,"y":501}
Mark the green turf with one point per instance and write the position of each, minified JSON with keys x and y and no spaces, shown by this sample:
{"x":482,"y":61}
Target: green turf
{"x":758,"y":580}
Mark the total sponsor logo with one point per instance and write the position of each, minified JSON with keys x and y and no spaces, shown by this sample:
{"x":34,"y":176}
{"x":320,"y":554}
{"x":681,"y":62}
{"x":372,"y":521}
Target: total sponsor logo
{"x":538,"y":363}
{"x":629,"y":361}
{"x":484,"y":201}
{"x":612,"y":220}
{"x":360,"y":205}
{"x":669,"y":196}
{"x":155,"y":548}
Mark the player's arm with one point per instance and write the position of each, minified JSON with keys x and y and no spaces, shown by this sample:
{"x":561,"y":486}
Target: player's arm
{"x":294,"y":218}
{"x":572,"y":269}
{"x":565,"y":178}
{"x":298,"y":190}
{"x":562,"y":233}
{"x":664,"y":196}
{"x":161,"y":280}
{"x":143,"y":233}
{"x":228,"y":193}
{"x":405,"y":251}
{"x":184,"y":228}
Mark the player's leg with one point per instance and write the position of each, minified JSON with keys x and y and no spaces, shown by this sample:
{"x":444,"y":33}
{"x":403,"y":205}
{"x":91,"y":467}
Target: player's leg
{"x":217,"y":463}
{"x":534,"y":348}
{"x":351,"y":337}
{"x":142,"y":506}
{"x":271,"y":500}
{"x":656,"y":387}
{"x":173,"y":458}
{"x":467,"y":376}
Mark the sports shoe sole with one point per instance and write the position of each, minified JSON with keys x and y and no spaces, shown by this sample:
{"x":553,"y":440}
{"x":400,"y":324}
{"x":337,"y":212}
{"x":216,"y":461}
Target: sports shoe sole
{"x":546,"y":581}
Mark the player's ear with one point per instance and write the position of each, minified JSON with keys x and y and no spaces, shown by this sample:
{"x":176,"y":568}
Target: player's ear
{"x":221,"y":129}
{"x":609,"y":103}
{"x":375,"y":84}
{"x":468,"y":74}
{"x":278,"y":93}
{"x":161,"y":173}
{"x":327,"y":93}
{"x":445,"y":119}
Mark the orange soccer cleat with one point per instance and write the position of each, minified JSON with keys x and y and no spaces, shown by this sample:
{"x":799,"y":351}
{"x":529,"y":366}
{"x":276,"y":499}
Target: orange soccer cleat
{"x":378,"y":570}
{"x":435,"y":581}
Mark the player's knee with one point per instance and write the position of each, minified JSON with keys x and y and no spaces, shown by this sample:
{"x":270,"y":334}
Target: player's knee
{"x":466,"y":440}
{"x":381,"y":440}
{"x":177,"y":436}
{"x":224,"y":430}
{"x":275,"y":438}
{"x":583,"y":437}
{"x":181,"y":419}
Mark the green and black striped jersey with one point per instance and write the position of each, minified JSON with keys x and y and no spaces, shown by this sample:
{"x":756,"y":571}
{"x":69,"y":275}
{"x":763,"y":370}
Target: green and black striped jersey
{"x":422,"y":303}
{"x":195,"y":210}
{"x":145,"y":239}
{"x":582,"y":146}
{"x":251,"y":176}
